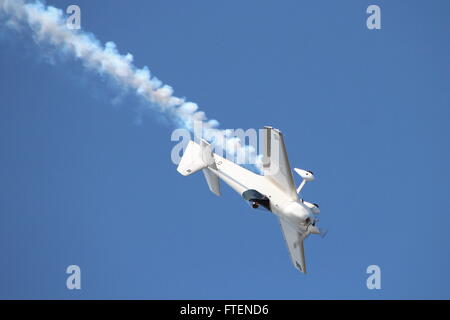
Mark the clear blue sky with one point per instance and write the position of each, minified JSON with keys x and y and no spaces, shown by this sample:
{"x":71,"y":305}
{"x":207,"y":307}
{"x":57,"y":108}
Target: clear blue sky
{"x":367,"y":111}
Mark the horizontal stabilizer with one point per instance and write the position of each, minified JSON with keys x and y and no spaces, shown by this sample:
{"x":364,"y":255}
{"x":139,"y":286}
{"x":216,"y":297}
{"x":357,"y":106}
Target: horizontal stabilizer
{"x":213,"y":181}
{"x":191,"y":161}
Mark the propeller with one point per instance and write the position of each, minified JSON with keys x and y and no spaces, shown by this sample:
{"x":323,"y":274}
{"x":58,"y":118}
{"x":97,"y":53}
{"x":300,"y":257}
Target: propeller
{"x":314,"y":229}
{"x":323,"y":232}
{"x":314,"y":207}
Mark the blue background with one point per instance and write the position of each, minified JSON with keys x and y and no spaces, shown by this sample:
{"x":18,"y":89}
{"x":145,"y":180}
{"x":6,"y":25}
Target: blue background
{"x":86,"y":180}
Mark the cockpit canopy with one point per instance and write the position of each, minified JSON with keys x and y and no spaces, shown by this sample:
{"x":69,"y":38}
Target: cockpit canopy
{"x":256,"y":199}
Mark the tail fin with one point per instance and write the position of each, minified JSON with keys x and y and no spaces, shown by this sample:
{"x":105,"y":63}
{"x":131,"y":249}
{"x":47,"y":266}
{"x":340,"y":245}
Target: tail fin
{"x":199,"y":157}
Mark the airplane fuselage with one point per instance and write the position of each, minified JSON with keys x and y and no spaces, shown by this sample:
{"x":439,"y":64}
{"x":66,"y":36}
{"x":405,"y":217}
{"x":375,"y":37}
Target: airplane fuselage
{"x":294,"y":211}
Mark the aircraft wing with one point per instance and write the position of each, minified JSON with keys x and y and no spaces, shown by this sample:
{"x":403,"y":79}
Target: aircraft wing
{"x":294,"y":241}
{"x":276,"y":163}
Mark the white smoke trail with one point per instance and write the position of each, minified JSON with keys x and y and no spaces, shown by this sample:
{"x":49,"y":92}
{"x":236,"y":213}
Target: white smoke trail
{"x":48,"y":25}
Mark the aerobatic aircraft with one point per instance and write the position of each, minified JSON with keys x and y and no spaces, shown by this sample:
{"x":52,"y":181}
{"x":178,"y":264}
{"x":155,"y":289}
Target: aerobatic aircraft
{"x":274,"y":190}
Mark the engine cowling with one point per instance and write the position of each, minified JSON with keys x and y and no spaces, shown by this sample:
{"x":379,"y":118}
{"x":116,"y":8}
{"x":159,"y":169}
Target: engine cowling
{"x":313,"y":206}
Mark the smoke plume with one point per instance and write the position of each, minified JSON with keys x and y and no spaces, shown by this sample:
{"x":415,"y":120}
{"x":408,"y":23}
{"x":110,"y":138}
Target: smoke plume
{"x":47,"y":25}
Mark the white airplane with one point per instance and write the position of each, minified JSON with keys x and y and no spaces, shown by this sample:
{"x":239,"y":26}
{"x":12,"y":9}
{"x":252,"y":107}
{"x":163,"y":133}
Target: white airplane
{"x":274,"y":190}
